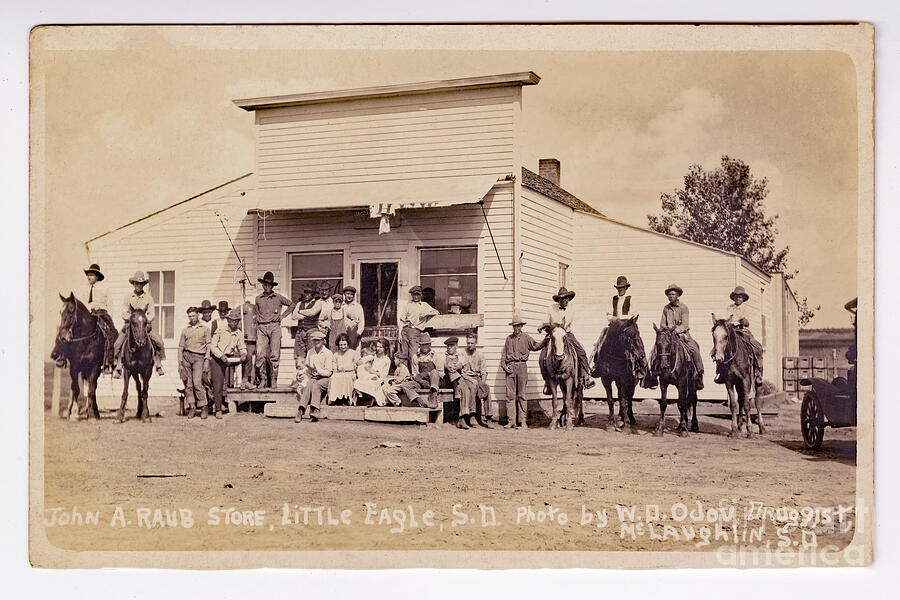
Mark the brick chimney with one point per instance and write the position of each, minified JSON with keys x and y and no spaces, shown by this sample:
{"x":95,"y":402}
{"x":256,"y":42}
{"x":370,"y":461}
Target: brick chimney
{"x":548,"y":168}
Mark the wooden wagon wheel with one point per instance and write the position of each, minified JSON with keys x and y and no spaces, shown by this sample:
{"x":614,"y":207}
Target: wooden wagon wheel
{"x":812,"y":420}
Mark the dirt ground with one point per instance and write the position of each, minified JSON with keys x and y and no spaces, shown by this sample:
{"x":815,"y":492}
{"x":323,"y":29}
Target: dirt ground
{"x":250,"y":463}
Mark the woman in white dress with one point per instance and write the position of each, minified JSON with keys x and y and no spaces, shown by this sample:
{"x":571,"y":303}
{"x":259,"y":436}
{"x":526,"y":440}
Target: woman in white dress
{"x":373,"y":371}
{"x":344,"y":376}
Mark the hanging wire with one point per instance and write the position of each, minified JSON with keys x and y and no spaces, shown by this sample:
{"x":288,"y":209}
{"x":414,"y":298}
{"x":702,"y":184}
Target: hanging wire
{"x":497,"y":252}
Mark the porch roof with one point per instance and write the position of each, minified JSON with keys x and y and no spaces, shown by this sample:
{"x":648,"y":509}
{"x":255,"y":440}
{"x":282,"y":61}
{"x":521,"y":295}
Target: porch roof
{"x":378,"y":197}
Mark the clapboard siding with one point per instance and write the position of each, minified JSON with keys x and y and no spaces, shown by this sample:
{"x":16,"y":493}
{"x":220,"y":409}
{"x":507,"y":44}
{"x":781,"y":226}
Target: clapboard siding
{"x":762,"y":302}
{"x":462,"y":225}
{"x":457,"y":133}
{"x":547,"y":239}
{"x":190,"y":241}
{"x":651,"y":262}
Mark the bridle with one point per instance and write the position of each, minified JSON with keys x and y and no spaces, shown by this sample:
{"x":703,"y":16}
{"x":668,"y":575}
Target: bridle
{"x":672,"y":342}
{"x":729,"y":342}
{"x":71,"y":330}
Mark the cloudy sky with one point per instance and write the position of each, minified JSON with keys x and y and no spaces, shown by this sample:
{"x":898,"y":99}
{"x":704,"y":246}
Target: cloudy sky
{"x":139,"y":118}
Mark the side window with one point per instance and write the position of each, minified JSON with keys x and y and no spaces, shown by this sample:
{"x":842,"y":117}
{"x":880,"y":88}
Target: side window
{"x":162,"y":288}
{"x":563,"y":268}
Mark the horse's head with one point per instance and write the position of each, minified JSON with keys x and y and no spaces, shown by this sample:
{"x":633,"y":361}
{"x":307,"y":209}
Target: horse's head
{"x":557,"y":340}
{"x":665,"y":346}
{"x":67,"y":317}
{"x":138,"y":324}
{"x":721,"y":331}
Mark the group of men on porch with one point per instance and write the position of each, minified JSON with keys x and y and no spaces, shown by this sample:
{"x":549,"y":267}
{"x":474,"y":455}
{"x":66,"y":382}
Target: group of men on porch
{"x":211,"y":347}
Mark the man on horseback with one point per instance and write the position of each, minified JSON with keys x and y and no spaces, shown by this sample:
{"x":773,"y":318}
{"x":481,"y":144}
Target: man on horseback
{"x":559,"y":317}
{"x":676,"y":316}
{"x":96,"y":298}
{"x":621,"y":308}
{"x":139,"y":300}
{"x":741,"y":314}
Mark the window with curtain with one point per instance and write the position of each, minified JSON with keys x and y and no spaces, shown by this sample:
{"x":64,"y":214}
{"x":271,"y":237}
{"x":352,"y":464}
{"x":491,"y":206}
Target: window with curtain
{"x":162,"y":288}
{"x":323,"y":271}
{"x":451,"y":275}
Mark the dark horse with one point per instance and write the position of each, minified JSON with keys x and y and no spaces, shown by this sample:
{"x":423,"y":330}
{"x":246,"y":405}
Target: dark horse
{"x":620,"y":360}
{"x":733,"y":358}
{"x":80,"y":342}
{"x":559,"y":366}
{"x":137,"y":363}
{"x":673,"y":365}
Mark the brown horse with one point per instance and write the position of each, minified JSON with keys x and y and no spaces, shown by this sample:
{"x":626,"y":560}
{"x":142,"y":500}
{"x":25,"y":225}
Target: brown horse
{"x":733,"y":358}
{"x":137,"y":363}
{"x":81,"y":344}
{"x":673,"y":365}
{"x":620,"y":359}
{"x":559,"y":366}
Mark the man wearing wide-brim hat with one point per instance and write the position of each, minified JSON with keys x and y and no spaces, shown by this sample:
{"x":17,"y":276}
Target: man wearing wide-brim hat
{"x":739,"y":312}
{"x":559,"y":315}
{"x":95,"y":297}
{"x":676,"y":316}
{"x":621,"y":309}
{"x":514,"y":363}
{"x":139,"y":300}
{"x":268,"y":329}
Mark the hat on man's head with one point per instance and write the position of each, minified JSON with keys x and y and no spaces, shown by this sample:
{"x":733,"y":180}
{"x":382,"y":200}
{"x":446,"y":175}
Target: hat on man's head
{"x":337,"y":297}
{"x":416,"y":289}
{"x":138,"y":277}
{"x":191,"y":309}
{"x":233,"y":315}
{"x":424,"y":339}
{"x":206,"y":305}
{"x":739,"y":291}
{"x":674,"y":288}
{"x":349,"y":288}
{"x":451,"y":340}
{"x":472,"y":335}
{"x":622,"y":282}
{"x":223,"y":305}
{"x":95,"y":269}
{"x":563,"y":293}
{"x":317,"y":335}
{"x":517,"y":319}
{"x":268,"y":278}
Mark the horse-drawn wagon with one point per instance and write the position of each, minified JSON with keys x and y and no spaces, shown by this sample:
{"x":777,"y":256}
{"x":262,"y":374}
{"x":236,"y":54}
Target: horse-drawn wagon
{"x":830,"y":403}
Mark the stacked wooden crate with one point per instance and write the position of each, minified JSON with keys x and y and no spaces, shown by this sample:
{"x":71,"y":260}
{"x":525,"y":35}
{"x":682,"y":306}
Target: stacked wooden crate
{"x":797,"y":368}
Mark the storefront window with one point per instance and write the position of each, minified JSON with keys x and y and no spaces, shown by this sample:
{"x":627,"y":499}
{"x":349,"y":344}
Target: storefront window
{"x":450,"y":277}
{"x":322,"y":271}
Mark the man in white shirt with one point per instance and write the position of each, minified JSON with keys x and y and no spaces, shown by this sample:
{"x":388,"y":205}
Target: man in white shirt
{"x":558,"y":315}
{"x":413,"y":319}
{"x":740,"y":313}
{"x":95,"y":297}
{"x":319,"y":367}
{"x":355,"y":315}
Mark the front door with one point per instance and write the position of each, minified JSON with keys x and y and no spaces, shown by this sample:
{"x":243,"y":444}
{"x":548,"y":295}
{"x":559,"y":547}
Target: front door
{"x":378,"y":296}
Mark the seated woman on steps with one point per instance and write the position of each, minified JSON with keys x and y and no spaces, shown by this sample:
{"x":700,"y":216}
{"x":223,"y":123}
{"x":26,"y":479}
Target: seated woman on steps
{"x":341,"y":387}
{"x":373,"y":370}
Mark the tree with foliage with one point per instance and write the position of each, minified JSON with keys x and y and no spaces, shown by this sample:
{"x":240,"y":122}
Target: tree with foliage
{"x":723,"y":208}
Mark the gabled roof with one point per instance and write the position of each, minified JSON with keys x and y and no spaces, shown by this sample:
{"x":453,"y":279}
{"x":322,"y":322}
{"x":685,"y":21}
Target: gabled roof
{"x":385,"y":91}
{"x":535,"y":182}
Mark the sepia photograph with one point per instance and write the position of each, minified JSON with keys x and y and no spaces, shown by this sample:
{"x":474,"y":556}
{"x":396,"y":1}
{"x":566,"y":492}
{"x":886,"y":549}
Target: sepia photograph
{"x":475,"y":296}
